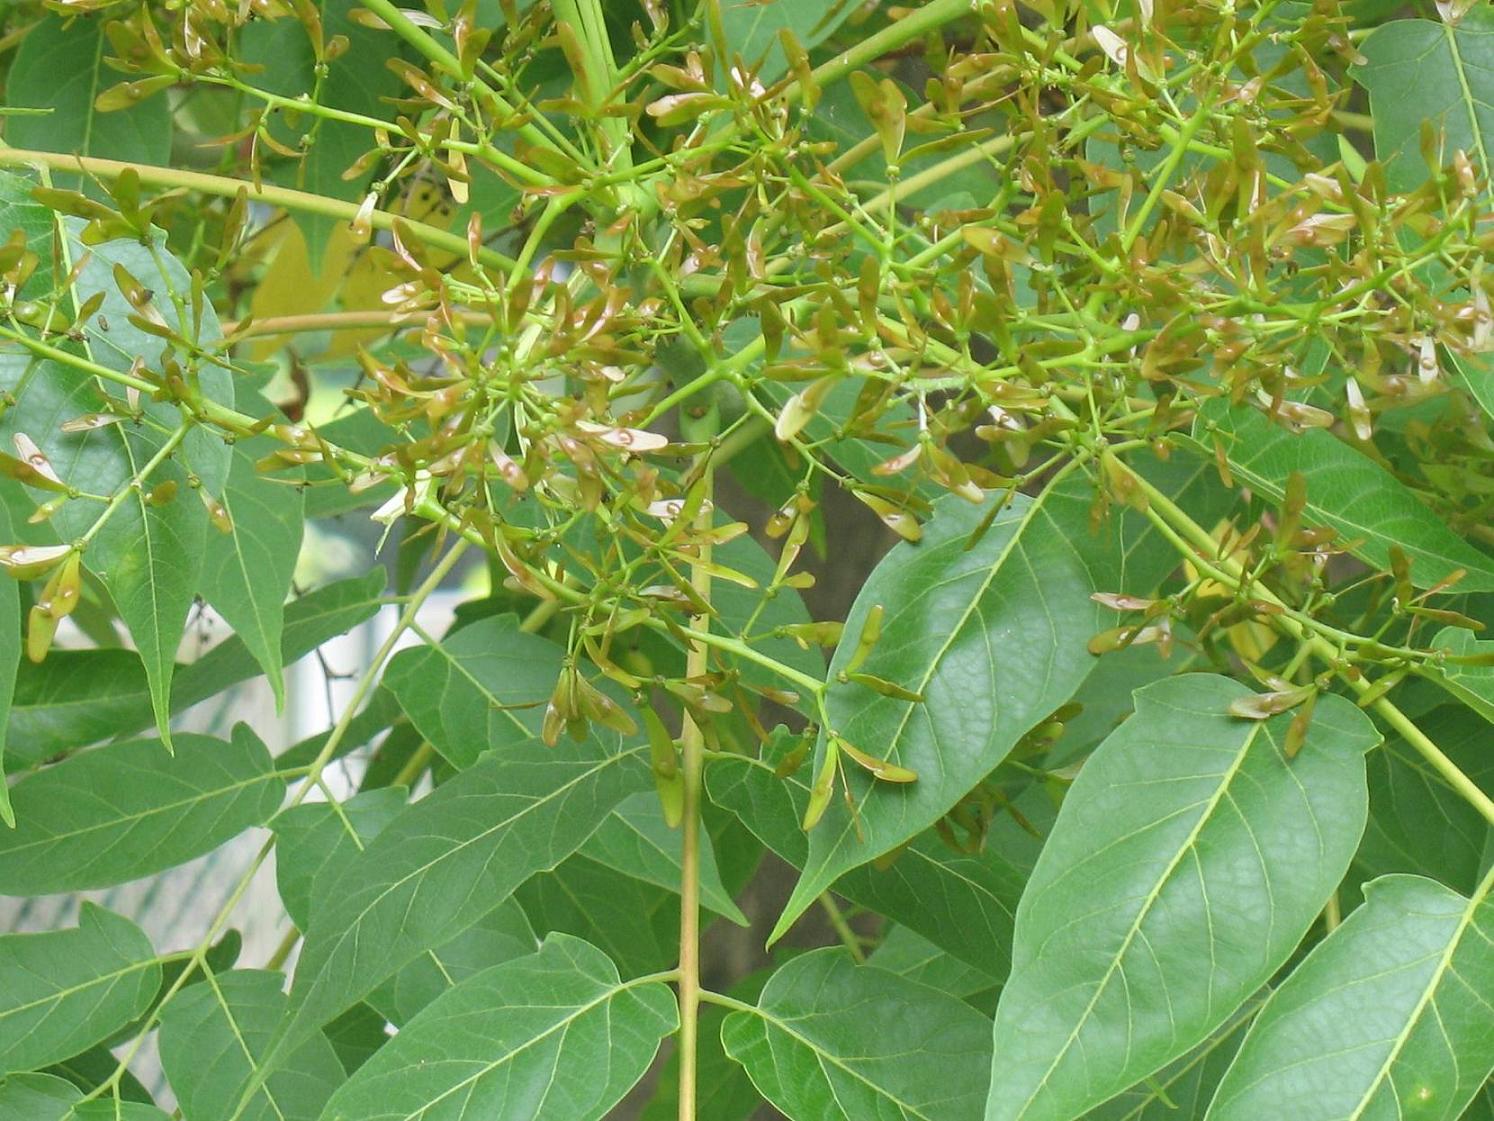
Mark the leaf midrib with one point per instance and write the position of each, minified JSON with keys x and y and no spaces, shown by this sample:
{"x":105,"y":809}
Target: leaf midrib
{"x":1215,"y":799}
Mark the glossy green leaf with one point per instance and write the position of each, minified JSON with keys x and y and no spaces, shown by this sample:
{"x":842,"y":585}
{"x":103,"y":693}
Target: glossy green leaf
{"x":1371,"y":509}
{"x":832,"y":1041}
{"x":1417,"y":823}
{"x":60,"y":66}
{"x":1388,"y":1017}
{"x":993,"y":635}
{"x":554,"y":1036}
{"x":483,"y":687}
{"x":246,"y":574}
{"x":1187,"y":837}
{"x":213,"y":1037}
{"x":126,"y":811}
{"x":63,"y":991}
{"x":634,"y":840}
{"x":78,"y":697}
{"x":452,"y":857}
{"x":149,"y":556}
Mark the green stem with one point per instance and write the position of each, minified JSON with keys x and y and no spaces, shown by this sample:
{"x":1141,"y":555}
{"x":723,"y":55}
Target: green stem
{"x":227,"y":187}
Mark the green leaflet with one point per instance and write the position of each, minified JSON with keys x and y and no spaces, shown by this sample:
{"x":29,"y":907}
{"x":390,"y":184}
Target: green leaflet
{"x":1187,"y":837}
{"x":46,"y":1097}
{"x":314,"y":852}
{"x":1368,"y":506}
{"x":1388,"y":1017}
{"x":78,"y":697}
{"x":213,"y":1037}
{"x":132,"y":809}
{"x":962,"y":903}
{"x":10,"y":662}
{"x":832,"y":1041}
{"x":992,"y":635}
{"x":450,"y":858}
{"x":247,"y":574}
{"x":553,"y":1036}
{"x":1473,"y":685}
{"x":483,"y":687}
{"x":65,"y":990}
{"x":60,"y":65}
{"x":148,"y":555}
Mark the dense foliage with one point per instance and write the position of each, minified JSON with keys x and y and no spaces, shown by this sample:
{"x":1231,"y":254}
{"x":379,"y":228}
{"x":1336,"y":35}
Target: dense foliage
{"x":1148,"y":774}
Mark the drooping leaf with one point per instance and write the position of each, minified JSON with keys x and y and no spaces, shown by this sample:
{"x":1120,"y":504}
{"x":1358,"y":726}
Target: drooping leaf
{"x":246,"y":573}
{"x":126,"y":811}
{"x":1187,"y":837}
{"x":213,"y":1037}
{"x":554,"y":1036}
{"x":78,"y":697}
{"x":63,"y":991}
{"x":47,"y":1097}
{"x":635,"y":841}
{"x":818,"y":1045}
{"x":450,"y":858}
{"x":961,"y":902}
{"x":1388,"y":1017}
{"x":483,"y":687}
{"x":1371,"y":509}
{"x":60,"y":66}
